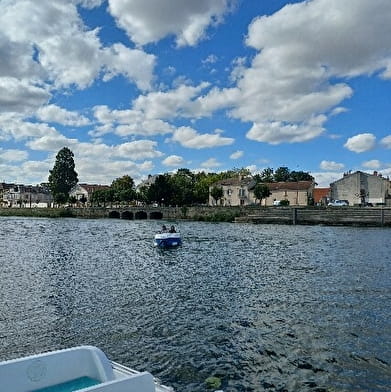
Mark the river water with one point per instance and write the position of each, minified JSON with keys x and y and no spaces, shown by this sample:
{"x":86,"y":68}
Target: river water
{"x":261,"y":307}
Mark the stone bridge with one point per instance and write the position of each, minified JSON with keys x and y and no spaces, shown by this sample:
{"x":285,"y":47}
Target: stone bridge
{"x":138,"y":213}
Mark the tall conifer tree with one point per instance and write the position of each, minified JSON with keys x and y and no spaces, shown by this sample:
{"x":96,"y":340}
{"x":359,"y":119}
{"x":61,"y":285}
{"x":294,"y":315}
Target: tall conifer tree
{"x":63,"y":177}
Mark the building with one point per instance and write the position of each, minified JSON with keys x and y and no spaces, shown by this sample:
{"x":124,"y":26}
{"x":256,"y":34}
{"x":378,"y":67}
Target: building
{"x":27,"y":196}
{"x":239,"y":191}
{"x":83,"y":192}
{"x":361,"y":188}
{"x":297,"y":193}
{"x":321,"y":196}
{"x":236,"y":191}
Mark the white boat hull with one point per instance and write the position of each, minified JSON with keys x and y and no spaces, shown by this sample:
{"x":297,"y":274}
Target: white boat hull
{"x":58,"y":368}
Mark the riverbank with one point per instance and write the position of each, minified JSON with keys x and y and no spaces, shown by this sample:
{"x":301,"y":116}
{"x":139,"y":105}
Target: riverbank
{"x":340,"y":216}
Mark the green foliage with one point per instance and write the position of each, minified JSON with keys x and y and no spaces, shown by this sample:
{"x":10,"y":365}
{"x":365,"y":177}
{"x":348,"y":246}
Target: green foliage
{"x":284,"y":203}
{"x":63,"y":177}
{"x":161,"y":191}
{"x":261,"y":191}
{"x":122,"y":189}
{"x":217,"y":193}
{"x":282,"y":174}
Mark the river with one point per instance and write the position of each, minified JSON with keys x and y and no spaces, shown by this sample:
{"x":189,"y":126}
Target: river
{"x":260,"y":307}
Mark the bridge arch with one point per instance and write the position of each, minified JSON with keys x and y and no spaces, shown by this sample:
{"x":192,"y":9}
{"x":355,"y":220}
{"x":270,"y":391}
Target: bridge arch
{"x":127,"y":215}
{"x":140,"y":215}
{"x":156,"y":215}
{"x":114,"y":214}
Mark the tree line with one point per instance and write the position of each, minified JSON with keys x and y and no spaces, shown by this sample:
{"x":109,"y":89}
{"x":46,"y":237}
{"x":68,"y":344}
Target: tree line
{"x":182,"y":188}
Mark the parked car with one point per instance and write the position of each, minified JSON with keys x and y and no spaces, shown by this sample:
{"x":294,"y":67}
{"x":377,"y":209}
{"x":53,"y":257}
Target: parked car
{"x":338,"y":203}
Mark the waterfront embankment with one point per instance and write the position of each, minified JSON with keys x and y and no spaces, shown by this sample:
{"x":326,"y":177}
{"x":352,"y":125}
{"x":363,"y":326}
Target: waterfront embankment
{"x":333,"y":216}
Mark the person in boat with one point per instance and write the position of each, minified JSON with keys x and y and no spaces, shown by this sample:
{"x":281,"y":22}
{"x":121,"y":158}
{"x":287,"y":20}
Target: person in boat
{"x":164,"y":229}
{"x":172,"y":229}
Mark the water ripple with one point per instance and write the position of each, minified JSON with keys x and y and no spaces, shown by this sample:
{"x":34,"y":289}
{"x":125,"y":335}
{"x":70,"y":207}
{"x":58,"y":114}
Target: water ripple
{"x":262,"y":307}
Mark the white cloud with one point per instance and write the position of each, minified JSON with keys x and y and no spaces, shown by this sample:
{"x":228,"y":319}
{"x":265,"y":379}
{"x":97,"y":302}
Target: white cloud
{"x":170,"y":104}
{"x":13,"y":155}
{"x":58,"y":48}
{"x":236,"y":155}
{"x":52,"y":142}
{"x":54,"y":113}
{"x":277,"y":132}
{"x":324,"y":179}
{"x":140,"y":149}
{"x":372,"y":164}
{"x":135,"y":64}
{"x":190,"y":138}
{"x":361,"y":142}
{"x":148,"y":21}
{"x":128,"y":122}
{"x":331,"y":165}
{"x":210,"y":163}
{"x":302,"y":50}
{"x":21,"y":96}
{"x":174,"y":161}
{"x":386,"y":142}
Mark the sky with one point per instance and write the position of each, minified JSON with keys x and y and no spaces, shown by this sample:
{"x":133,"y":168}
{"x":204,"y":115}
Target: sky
{"x":138,"y":87}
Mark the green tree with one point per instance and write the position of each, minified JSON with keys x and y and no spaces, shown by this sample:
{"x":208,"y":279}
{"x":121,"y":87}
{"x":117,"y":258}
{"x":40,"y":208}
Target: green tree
{"x":300,"y":176}
{"x":183,"y":184}
{"x":63,"y":177}
{"x":123,"y":188}
{"x":217,"y":193}
{"x":261,"y":191}
{"x":282,"y":174}
{"x":161,"y":191}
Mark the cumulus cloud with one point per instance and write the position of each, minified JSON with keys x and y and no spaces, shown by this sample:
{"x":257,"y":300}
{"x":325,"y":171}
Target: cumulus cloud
{"x":303,"y":52}
{"x":190,"y":138}
{"x":139,"y":149}
{"x":278,"y":132}
{"x":331,"y":165}
{"x":13,"y":155}
{"x":173,"y":161}
{"x":21,"y":96}
{"x":361,"y":142}
{"x":386,"y":142}
{"x":54,"y":113}
{"x":210,"y":163}
{"x":58,"y":47}
{"x":236,"y":155}
{"x":128,"y":122}
{"x":372,"y":164}
{"x":148,"y":21}
{"x":324,"y":179}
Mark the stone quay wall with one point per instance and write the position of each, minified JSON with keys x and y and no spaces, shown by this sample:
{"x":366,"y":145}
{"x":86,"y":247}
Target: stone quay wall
{"x":349,"y":216}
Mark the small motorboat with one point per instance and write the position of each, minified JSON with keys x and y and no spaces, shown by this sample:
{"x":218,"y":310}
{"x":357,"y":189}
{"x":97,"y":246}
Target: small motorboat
{"x":74,"y":369}
{"x":167,"y":240}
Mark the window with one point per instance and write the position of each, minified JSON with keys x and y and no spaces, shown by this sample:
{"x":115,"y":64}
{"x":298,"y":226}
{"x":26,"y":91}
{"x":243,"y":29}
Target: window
{"x":242,"y":192}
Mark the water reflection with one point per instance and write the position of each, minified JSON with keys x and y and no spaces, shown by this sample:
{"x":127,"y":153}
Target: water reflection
{"x":261,"y":307}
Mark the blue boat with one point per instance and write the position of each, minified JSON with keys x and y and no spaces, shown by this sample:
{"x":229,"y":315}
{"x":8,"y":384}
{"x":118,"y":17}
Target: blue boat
{"x":168,"y":240}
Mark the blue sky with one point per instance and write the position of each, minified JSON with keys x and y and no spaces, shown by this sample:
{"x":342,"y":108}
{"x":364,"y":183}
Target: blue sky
{"x":143,"y":87}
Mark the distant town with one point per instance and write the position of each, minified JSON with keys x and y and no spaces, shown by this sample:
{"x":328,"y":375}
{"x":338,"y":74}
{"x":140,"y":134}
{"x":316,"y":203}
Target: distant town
{"x":231,"y":188}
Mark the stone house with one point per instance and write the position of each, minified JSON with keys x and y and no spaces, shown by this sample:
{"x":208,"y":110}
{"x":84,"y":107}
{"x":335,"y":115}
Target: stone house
{"x":27,"y":196}
{"x":236,"y":191}
{"x":239,"y":191}
{"x":360,"y":188}
{"x":297,"y":193}
{"x":83,"y":192}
